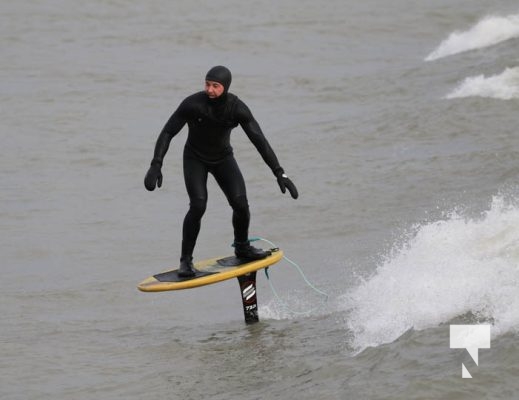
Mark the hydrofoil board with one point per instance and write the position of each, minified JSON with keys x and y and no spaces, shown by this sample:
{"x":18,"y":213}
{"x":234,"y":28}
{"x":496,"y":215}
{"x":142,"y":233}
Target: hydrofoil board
{"x":215,"y":270}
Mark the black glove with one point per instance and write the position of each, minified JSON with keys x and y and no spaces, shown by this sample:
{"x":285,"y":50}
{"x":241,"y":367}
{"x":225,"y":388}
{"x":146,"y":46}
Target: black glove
{"x":153,"y":177}
{"x":285,"y":183}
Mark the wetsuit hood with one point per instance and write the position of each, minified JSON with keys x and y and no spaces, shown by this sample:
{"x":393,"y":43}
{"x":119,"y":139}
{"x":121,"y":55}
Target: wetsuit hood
{"x":221,"y":75}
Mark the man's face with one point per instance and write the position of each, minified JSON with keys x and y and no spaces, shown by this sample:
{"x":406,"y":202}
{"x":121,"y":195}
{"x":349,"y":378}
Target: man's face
{"x":213,"y":89}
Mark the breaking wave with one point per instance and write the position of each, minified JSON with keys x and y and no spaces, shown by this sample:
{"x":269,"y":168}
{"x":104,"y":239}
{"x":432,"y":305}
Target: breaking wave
{"x":504,"y":86}
{"x":489,"y":31}
{"x":446,"y":269}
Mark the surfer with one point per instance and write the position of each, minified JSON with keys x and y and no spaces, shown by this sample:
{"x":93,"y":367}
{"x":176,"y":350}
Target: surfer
{"x":211,"y":115}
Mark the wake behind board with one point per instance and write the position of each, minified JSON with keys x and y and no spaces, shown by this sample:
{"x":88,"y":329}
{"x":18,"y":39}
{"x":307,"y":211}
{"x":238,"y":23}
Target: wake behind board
{"x":216,"y":270}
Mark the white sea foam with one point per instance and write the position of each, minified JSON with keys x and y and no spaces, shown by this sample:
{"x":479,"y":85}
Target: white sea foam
{"x":487,"y":32}
{"x":504,"y":86}
{"x":447,"y":269}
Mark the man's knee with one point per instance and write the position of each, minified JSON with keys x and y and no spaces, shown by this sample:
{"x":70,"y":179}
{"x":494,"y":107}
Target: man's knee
{"x":197,"y":207}
{"x":240,"y":204}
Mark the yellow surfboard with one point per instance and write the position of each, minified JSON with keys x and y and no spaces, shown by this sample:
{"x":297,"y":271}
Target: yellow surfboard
{"x":208,"y":272}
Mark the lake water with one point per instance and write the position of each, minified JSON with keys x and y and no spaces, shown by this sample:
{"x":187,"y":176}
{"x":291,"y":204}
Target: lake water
{"x":397,"y":121}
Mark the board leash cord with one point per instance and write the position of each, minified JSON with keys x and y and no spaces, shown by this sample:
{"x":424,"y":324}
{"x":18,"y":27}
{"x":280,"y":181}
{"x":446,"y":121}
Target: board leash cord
{"x":298,"y":268}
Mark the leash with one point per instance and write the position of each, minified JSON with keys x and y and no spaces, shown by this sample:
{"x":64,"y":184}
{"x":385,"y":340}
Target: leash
{"x":284,"y":304}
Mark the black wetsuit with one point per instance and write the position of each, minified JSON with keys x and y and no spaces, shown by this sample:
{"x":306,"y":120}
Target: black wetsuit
{"x":208,"y":150}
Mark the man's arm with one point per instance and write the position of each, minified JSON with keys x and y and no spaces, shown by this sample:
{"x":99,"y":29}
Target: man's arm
{"x":256,"y":136}
{"x":175,"y":123}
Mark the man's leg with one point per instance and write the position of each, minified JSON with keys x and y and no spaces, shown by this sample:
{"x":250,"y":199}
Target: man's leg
{"x":230,"y":180}
{"x":195,"y":178}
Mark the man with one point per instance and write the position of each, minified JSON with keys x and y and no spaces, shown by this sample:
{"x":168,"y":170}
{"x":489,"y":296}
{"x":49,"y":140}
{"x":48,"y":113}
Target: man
{"x":210,"y":116}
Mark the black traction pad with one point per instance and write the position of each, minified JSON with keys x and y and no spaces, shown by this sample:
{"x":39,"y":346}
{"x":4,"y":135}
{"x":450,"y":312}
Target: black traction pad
{"x":233,"y":261}
{"x":172,"y":276}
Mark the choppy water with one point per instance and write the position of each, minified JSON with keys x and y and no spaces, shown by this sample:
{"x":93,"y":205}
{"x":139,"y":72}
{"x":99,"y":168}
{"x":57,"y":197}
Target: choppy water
{"x":396,"y":120}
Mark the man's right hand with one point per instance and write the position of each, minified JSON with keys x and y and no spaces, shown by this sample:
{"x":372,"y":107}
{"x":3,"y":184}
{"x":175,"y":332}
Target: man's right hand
{"x":153,"y":177}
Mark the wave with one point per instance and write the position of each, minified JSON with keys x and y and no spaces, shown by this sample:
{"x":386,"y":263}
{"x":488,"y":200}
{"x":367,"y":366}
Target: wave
{"x":489,"y":31}
{"x":447,"y":269}
{"x":504,"y":86}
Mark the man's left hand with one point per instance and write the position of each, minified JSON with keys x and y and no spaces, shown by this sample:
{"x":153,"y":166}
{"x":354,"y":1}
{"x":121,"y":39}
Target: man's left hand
{"x":285,"y":183}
